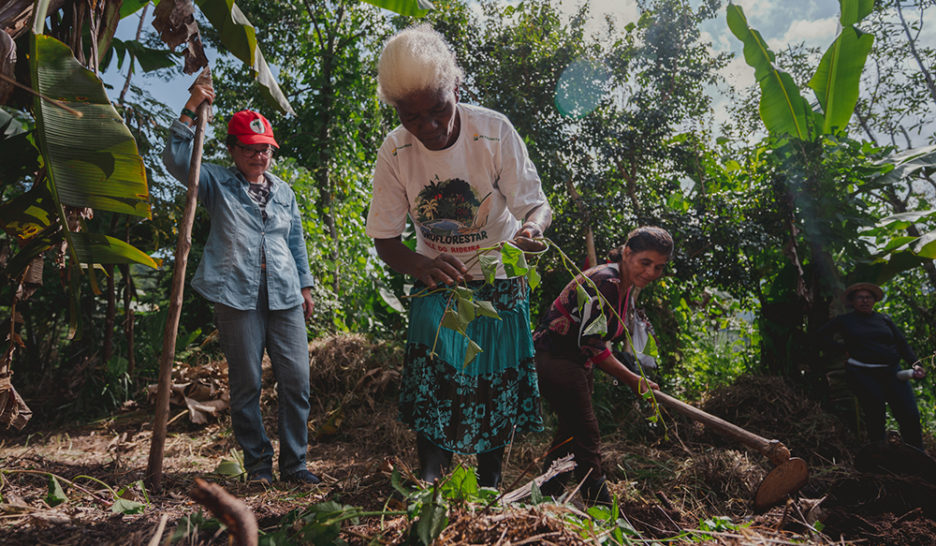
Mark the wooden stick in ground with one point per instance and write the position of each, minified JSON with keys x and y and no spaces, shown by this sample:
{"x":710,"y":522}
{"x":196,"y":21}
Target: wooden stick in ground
{"x":240,"y":521}
{"x":183,"y":245}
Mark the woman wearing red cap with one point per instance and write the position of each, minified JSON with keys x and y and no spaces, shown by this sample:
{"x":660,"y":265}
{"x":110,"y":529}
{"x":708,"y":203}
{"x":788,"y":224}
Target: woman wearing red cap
{"x":874,"y":347}
{"x":255,"y":270}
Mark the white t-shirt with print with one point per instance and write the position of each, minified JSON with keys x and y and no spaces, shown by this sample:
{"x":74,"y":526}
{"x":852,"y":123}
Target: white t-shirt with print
{"x":468,"y":196}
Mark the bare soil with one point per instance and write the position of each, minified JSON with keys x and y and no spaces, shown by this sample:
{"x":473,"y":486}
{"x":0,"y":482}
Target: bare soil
{"x":674,"y":479}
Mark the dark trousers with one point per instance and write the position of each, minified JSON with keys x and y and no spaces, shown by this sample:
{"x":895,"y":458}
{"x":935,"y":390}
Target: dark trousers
{"x":878,"y":387}
{"x":567,"y":386}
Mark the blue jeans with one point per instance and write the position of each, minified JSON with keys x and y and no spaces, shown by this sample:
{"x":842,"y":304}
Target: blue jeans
{"x":878,"y":387}
{"x":244,"y":335}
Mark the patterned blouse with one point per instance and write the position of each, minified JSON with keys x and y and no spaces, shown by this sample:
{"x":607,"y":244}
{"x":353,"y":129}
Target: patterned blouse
{"x":568,"y":331}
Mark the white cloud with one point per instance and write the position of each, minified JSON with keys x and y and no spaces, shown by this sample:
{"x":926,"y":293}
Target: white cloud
{"x":756,"y":9}
{"x":738,"y":73}
{"x":818,"y":33}
{"x":725,"y":41}
{"x":623,"y":11}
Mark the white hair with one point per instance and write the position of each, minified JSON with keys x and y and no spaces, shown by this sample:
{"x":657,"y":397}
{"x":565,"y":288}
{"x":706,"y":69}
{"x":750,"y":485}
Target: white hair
{"x":415,"y":59}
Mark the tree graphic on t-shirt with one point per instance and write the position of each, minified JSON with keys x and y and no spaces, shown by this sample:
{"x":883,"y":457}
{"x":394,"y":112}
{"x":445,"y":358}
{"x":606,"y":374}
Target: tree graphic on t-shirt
{"x":452,"y":203}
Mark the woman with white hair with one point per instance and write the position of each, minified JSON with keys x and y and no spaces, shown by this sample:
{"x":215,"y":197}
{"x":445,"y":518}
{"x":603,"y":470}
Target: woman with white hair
{"x":462,"y":175}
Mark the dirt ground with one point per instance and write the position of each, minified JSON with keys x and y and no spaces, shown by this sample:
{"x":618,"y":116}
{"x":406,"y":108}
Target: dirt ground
{"x":675,"y":480}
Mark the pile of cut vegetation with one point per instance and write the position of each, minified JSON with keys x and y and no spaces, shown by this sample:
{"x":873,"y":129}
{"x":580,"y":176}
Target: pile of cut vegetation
{"x":771,"y":407}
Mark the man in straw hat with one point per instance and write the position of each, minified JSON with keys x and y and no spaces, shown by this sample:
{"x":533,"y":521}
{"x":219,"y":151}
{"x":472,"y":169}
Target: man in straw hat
{"x":874,"y":347}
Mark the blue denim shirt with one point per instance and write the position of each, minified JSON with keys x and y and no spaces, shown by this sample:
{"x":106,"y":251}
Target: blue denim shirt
{"x":229,"y":272}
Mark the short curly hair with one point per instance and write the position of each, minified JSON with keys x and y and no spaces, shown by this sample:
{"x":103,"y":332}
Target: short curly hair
{"x":415,"y":59}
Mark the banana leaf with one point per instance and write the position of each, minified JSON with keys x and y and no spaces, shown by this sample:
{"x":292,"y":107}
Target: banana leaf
{"x":782,"y":108}
{"x":881,"y":271}
{"x":852,"y":11}
{"x":92,"y":160}
{"x":99,"y":248}
{"x":148,"y":58}
{"x":838,"y":75}
{"x":907,"y":165}
{"x":412,"y":8}
{"x":239,"y":37}
{"x":26,"y":216}
{"x":90,"y":157}
{"x":129,"y":7}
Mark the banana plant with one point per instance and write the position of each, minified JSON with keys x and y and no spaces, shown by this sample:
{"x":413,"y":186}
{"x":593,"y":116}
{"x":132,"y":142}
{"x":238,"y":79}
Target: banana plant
{"x":894,"y":250}
{"x":783,"y":108}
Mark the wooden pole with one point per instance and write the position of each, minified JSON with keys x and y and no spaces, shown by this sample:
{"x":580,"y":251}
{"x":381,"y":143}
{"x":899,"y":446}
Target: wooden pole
{"x":772,"y":449}
{"x":183,"y":245}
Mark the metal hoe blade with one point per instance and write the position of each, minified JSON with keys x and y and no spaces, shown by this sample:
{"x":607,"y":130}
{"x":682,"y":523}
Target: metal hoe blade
{"x":783,"y":480}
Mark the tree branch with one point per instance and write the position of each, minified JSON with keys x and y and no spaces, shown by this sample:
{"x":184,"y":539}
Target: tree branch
{"x":229,"y":509}
{"x":930,"y":84}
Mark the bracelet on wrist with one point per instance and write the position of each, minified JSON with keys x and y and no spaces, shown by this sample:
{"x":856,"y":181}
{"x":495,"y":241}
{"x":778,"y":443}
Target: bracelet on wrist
{"x":189,"y":113}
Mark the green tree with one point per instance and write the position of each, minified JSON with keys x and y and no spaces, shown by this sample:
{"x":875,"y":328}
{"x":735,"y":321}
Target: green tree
{"x":822,"y":182}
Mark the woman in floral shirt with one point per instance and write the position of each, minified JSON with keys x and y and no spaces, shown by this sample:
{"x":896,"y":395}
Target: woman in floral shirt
{"x":571,"y":339}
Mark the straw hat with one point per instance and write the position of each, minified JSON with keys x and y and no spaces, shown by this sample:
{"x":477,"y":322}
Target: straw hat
{"x":873,"y":288}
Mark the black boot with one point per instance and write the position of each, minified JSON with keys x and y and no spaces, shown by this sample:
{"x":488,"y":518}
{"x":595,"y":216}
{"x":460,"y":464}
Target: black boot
{"x":489,"y":467}
{"x":555,"y":486}
{"x":433,"y":460}
{"x":595,"y":492}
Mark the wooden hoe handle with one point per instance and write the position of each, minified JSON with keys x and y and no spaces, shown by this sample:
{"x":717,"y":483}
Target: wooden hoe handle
{"x":772,"y":449}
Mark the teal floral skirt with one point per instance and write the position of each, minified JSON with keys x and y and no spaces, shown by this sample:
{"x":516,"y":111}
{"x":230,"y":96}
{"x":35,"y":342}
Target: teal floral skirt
{"x":476,"y":407}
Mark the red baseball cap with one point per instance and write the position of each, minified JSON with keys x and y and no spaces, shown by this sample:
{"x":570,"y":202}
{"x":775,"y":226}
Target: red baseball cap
{"x":251,"y":128}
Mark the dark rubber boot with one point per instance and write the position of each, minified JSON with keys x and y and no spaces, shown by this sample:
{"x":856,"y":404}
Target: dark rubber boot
{"x":433,"y":460}
{"x":555,"y":486}
{"x":489,"y":467}
{"x":595,"y":492}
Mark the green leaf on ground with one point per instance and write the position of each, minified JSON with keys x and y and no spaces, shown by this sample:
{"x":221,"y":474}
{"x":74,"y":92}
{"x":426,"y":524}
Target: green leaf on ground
{"x":125,"y":506}
{"x":229,"y":468}
{"x":536,"y":496}
{"x":463,"y":485}
{"x":56,"y":494}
